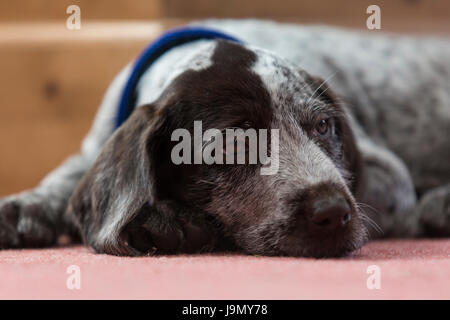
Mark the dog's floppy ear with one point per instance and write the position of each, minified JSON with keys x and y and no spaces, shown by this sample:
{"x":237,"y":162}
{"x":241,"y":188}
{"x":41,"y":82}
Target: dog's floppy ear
{"x":351,"y":155}
{"x":120,"y":184}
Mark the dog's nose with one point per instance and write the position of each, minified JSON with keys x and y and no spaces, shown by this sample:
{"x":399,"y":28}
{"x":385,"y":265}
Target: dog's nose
{"x":330,"y":213}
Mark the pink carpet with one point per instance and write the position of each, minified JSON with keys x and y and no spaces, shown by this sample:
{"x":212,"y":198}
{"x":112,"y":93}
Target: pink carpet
{"x":409,"y":270}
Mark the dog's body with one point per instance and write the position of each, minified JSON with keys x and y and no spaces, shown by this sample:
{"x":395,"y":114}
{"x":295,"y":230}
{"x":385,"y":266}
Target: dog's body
{"x":394,"y":94}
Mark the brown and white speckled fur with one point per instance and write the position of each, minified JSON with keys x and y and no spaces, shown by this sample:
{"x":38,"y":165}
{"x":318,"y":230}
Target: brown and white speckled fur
{"x":394,"y":92}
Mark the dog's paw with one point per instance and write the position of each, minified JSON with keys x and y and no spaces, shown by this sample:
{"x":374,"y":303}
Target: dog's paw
{"x":434,"y":212}
{"x":24,"y":222}
{"x":9,"y":237}
{"x":163,"y":230}
{"x":150,"y":233}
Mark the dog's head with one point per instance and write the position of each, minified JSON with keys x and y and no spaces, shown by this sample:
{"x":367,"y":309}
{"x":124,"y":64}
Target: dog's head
{"x":303,"y":208}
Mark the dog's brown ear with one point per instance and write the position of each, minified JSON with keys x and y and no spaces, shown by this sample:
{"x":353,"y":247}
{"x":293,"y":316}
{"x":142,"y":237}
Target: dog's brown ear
{"x":352,"y":160}
{"x":120,"y":183}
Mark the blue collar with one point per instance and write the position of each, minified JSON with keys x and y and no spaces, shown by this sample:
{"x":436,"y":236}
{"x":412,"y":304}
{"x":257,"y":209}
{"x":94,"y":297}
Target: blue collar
{"x":155,"y":50}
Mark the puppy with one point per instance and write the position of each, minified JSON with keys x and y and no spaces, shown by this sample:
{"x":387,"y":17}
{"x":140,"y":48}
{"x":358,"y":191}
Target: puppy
{"x":363,"y":149}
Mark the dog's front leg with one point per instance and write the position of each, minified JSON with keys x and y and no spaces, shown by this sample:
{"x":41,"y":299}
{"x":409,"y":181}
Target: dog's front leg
{"x":386,"y":193}
{"x":434,"y":212}
{"x":34,"y":218}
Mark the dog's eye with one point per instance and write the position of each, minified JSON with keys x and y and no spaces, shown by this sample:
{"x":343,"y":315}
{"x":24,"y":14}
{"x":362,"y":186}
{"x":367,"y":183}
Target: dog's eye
{"x":322,"y":127}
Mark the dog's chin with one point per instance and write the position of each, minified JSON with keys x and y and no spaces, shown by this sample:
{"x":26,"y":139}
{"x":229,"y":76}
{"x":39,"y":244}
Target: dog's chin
{"x":331,"y":247}
{"x":320,"y":251}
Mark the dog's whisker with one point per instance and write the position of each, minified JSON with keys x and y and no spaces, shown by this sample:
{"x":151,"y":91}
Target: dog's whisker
{"x":318,"y":88}
{"x":206,"y":182}
{"x":367,"y":219}
{"x":369,"y":207}
{"x":372,"y":223}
